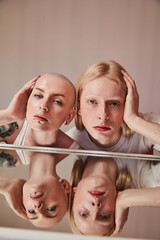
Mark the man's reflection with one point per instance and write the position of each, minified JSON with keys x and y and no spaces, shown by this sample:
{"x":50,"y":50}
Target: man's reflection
{"x":102,"y":193}
{"x":93,"y":209}
{"x":44,"y":197}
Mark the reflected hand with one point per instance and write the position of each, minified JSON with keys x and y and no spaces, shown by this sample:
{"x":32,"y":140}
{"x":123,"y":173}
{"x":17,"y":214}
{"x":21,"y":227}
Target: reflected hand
{"x":132,"y":100}
{"x":13,"y":195}
{"x":17,"y":107}
{"x":121,"y":215}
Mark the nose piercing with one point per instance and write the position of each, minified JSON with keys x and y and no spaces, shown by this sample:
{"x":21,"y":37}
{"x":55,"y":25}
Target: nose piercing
{"x":44,"y":108}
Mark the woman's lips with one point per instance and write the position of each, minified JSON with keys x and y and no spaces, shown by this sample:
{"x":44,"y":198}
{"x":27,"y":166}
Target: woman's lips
{"x":96,"y":194}
{"x":40,"y":118}
{"x":101,"y":128}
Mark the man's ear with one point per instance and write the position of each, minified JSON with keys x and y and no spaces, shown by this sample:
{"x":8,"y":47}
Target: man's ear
{"x":70,"y":116}
{"x":78,"y":109}
{"x":66,"y":185}
{"x":74,"y":189}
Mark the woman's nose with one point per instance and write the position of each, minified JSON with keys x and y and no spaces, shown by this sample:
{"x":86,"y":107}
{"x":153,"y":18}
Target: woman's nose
{"x":38,"y":205}
{"x":44,"y":107}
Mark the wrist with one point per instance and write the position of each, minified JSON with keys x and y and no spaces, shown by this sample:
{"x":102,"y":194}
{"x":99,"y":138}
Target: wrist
{"x":133,"y":122}
{"x":6,"y":116}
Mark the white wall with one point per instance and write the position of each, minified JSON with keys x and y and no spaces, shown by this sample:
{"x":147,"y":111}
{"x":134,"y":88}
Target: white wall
{"x":66,"y":36}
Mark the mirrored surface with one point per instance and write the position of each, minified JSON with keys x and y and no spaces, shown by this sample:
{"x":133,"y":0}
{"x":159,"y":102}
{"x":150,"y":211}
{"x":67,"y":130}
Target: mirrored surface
{"x":35,"y":174}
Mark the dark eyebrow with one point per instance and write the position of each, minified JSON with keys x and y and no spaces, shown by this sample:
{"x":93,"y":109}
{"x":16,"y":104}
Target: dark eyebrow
{"x":55,"y":94}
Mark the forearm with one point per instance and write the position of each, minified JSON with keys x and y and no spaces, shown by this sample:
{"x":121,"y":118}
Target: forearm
{"x":4,"y":182}
{"x":147,"y":197}
{"x":6,"y":117}
{"x":147,"y":129}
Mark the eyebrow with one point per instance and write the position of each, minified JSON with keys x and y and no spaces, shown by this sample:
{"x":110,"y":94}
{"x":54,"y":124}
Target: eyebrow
{"x":48,"y":216}
{"x":55,"y":94}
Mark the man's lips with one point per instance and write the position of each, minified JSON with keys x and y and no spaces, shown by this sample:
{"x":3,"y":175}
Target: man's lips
{"x":40,"y":118}
{"x":36,"y":197}
{"x":96,"y":194}
{"x":102,"y":128}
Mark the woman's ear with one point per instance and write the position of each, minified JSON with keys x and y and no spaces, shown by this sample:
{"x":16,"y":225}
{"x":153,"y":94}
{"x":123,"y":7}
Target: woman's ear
{"x":70,"y":116}
{"x":66,"y":185}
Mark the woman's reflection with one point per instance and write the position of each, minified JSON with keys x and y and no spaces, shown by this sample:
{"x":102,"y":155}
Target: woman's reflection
{"x":44,"y":195}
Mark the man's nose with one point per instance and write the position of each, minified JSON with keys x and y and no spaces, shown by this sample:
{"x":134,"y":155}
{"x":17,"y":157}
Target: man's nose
{"x":96,"y":203}
{"x":103,"y":112}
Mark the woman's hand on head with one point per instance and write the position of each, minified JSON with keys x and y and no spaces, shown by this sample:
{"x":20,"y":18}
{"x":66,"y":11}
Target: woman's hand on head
{"x":14,"y":197}
{"x":121,"y":214}
{"x":132,"y":100}
{"x":17,"y":107}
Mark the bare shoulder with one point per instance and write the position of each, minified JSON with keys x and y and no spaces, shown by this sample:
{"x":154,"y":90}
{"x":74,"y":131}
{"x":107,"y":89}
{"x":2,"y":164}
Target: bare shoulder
{"x":9,"y":132}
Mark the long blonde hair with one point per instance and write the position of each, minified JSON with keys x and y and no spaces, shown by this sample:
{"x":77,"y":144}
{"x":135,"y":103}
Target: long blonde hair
{"x":111,"y":70}
{"x":124,"y":181}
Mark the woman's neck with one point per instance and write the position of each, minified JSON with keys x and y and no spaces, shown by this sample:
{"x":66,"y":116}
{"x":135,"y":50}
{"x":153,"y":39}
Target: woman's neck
{"x":38,"y":138}
{"x":96,"y":166}
{"x":42,"y":164}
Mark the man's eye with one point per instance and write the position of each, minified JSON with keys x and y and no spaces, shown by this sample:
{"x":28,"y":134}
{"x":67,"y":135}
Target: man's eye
{"x":31,"y":211}
{"x":83,"y":214}
{"x":52,"y":209}
{"x":114,"y":104}
{"x":104,"y":217}
{"x":91,"y":101}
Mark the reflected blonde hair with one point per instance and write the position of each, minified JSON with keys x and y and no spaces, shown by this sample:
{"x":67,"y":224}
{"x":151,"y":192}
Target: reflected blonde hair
{"x":111,"y":70}
{"x":124,"y":181}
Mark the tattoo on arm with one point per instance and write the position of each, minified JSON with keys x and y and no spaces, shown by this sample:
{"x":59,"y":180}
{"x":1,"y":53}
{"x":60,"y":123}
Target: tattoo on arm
{"x":8,"y":130}
{"x":7,"y":160}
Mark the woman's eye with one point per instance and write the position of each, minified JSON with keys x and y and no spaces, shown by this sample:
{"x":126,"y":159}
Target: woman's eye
{"x":37,"y":96}
{"x":58,"y":102}
{"x":31,"y":211}
{"x":52,"y":209}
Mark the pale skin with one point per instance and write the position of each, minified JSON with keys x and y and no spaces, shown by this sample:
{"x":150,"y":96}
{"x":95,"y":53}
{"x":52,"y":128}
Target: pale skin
{"x":102,"y":115}
{"x":45,"y":199}
{"x":146,"y":197}
{"x":47,"y":103}
{"x":11,"y":189}
{"x":42,"y":201}
{"x":131,"y":117}
{"x":88,"y":208}
{"x":94,"y":198}
{"x":110,"y":108}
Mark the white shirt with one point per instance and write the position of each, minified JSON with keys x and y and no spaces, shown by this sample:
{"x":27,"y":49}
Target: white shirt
{"x":144,"y":174}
